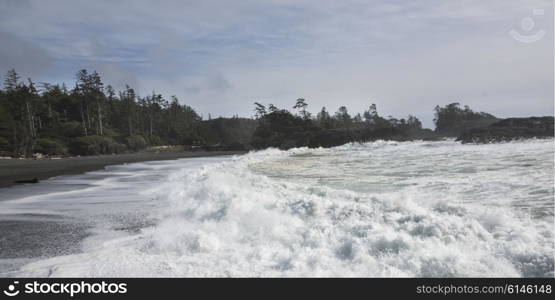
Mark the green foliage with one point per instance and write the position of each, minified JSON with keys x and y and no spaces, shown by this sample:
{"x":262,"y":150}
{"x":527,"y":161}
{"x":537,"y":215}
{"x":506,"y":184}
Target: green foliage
{"x":154,"y":140}
{"x":112,"y":133}
{"x":229,"y":133}
{"x":342,"y":116}
{"x":136,"y":142}
{"x":301,"y":106}
{"x":5,"y":121}
{"x":4,"y":144}
{"x":68,"y":130}
{"x":451,"y":120}
{"x":324,"y":119}
{"x":11,"y":80}
{"x":281,"y":129}
{"x":259,"y":110}
{"x":50,"y":147}
{"x":95,"y":145}
{"x":29,"y":113}
{"x":95,"y":119}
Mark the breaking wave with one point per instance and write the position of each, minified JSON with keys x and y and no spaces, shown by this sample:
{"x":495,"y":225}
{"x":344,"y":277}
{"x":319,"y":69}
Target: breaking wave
{"x":381,"y":209}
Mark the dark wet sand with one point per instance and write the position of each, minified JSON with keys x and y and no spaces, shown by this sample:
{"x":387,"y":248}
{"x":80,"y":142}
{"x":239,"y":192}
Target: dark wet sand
{"x":29,"y":238}
{"x":25,"y":169}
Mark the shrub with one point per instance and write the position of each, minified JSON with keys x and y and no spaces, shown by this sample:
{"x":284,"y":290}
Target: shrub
{"x":155,"y":140}
{"x":95,"y":144}
{"x":110,"y":132}
{"x":136,"y":142}
{"x":4,"y":144}
{"x":50,"y":147}
{"x":63,"y":131}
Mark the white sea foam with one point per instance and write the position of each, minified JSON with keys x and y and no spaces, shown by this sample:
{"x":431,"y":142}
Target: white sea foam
{"x":376,"y":209}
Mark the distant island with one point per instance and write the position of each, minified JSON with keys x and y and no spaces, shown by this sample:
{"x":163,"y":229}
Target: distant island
{"x":92,"y":119}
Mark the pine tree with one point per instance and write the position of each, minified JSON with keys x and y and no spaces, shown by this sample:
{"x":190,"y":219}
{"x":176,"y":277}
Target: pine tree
{"x":11,"y":81}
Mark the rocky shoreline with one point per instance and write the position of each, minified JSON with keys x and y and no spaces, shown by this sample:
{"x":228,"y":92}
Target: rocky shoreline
{"x":510,"y":129}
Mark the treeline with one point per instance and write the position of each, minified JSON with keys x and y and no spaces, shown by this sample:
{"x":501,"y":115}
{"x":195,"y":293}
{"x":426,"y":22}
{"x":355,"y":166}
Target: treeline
{"x":283,"y":129}
{"x":92,"y":118}
{"x":480,"y":127}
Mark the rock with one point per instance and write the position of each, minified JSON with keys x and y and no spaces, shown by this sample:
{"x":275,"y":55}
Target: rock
{"x":510,"y":129}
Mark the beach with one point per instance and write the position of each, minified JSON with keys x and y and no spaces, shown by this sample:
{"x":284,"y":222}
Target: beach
{"x":377,"y":209}
{"x":12,"y":170}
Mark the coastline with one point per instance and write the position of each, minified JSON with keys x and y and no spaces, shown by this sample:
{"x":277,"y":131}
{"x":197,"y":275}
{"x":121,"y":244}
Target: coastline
{"x":26,"y":169}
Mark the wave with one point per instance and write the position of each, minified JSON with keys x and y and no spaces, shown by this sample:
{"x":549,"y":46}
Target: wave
{"x":232,"y":218}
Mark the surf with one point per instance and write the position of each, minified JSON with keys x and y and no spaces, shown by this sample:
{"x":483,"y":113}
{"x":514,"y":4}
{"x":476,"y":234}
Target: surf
{"x":380,"y":209}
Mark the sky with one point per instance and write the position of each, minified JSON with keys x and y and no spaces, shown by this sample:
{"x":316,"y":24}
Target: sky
{"x":221,"y":56}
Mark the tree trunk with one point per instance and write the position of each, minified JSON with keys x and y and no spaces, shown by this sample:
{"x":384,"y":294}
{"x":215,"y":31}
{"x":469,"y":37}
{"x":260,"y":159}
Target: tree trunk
{"x":15,"y":142}
{"x":83,"y":119}
{"x":99,"y":110}
{"x":88,"y":117}
{"x":150,"y":127}
{"x":31,"y":121}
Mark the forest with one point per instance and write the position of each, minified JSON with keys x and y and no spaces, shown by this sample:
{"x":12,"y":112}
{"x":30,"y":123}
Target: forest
{"x":93,"y":118}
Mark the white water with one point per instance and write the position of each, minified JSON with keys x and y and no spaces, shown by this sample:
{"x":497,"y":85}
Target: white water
{"x":377,"y":209}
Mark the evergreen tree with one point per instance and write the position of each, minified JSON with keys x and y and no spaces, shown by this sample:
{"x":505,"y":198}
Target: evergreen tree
{"x":301,"y":106}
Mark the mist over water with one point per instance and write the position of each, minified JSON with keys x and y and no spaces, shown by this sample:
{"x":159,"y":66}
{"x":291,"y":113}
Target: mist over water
{"x":431,"y":209}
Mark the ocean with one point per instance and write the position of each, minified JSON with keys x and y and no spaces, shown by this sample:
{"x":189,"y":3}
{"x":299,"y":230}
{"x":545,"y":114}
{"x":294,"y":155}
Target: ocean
{"x":378,"y":209}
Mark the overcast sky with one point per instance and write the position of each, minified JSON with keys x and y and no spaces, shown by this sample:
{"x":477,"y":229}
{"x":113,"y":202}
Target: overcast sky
{"x":221,"y":56}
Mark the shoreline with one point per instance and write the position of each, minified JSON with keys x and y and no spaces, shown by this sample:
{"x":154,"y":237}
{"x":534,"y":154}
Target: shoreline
{"x":12,"y":170}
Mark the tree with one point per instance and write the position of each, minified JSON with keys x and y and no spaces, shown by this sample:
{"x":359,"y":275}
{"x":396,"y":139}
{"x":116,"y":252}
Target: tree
{"x":301,"y":105}
{"x":272,"y":108}
{"x":11,"y":81}
{"x":48,"y":95}
{"x":413,"y":122}
{"x":31,"y":96}
{"x":94,"y":118}
{"x":128,"y":98}
{"x":452,"y":119}
{"x":20,"y":101}
{"x":112,"y":105}
{"x":98,"y":96}
{"x":343,"y":117}
{"x":81,"y":91}
{"x":357,"y":118}
{"x":324,"y":119}
{"x":260,"y":110}
{"x":154,"y":105}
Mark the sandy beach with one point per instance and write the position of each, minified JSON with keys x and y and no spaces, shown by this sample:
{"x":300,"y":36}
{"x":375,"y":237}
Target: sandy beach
{"x":12,"y":170}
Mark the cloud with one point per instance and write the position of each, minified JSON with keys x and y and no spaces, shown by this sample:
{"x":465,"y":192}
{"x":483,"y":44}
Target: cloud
{"x":27,"y":57}
{"x":213,"y":83}
{"x":115,"y":75}
{"x":220,"y":56}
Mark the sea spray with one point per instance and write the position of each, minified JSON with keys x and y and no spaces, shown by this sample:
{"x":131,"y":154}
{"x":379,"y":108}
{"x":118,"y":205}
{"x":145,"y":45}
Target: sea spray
{"x":428,"y":209}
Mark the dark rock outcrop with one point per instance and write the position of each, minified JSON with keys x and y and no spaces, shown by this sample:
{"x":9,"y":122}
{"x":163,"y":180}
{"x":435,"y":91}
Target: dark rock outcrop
{"x":510,"y":129}
{"x":452,"y":120}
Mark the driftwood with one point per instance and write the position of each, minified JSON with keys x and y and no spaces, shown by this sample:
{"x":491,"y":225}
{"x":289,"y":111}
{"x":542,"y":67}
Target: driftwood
{"x":33,"y":180}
